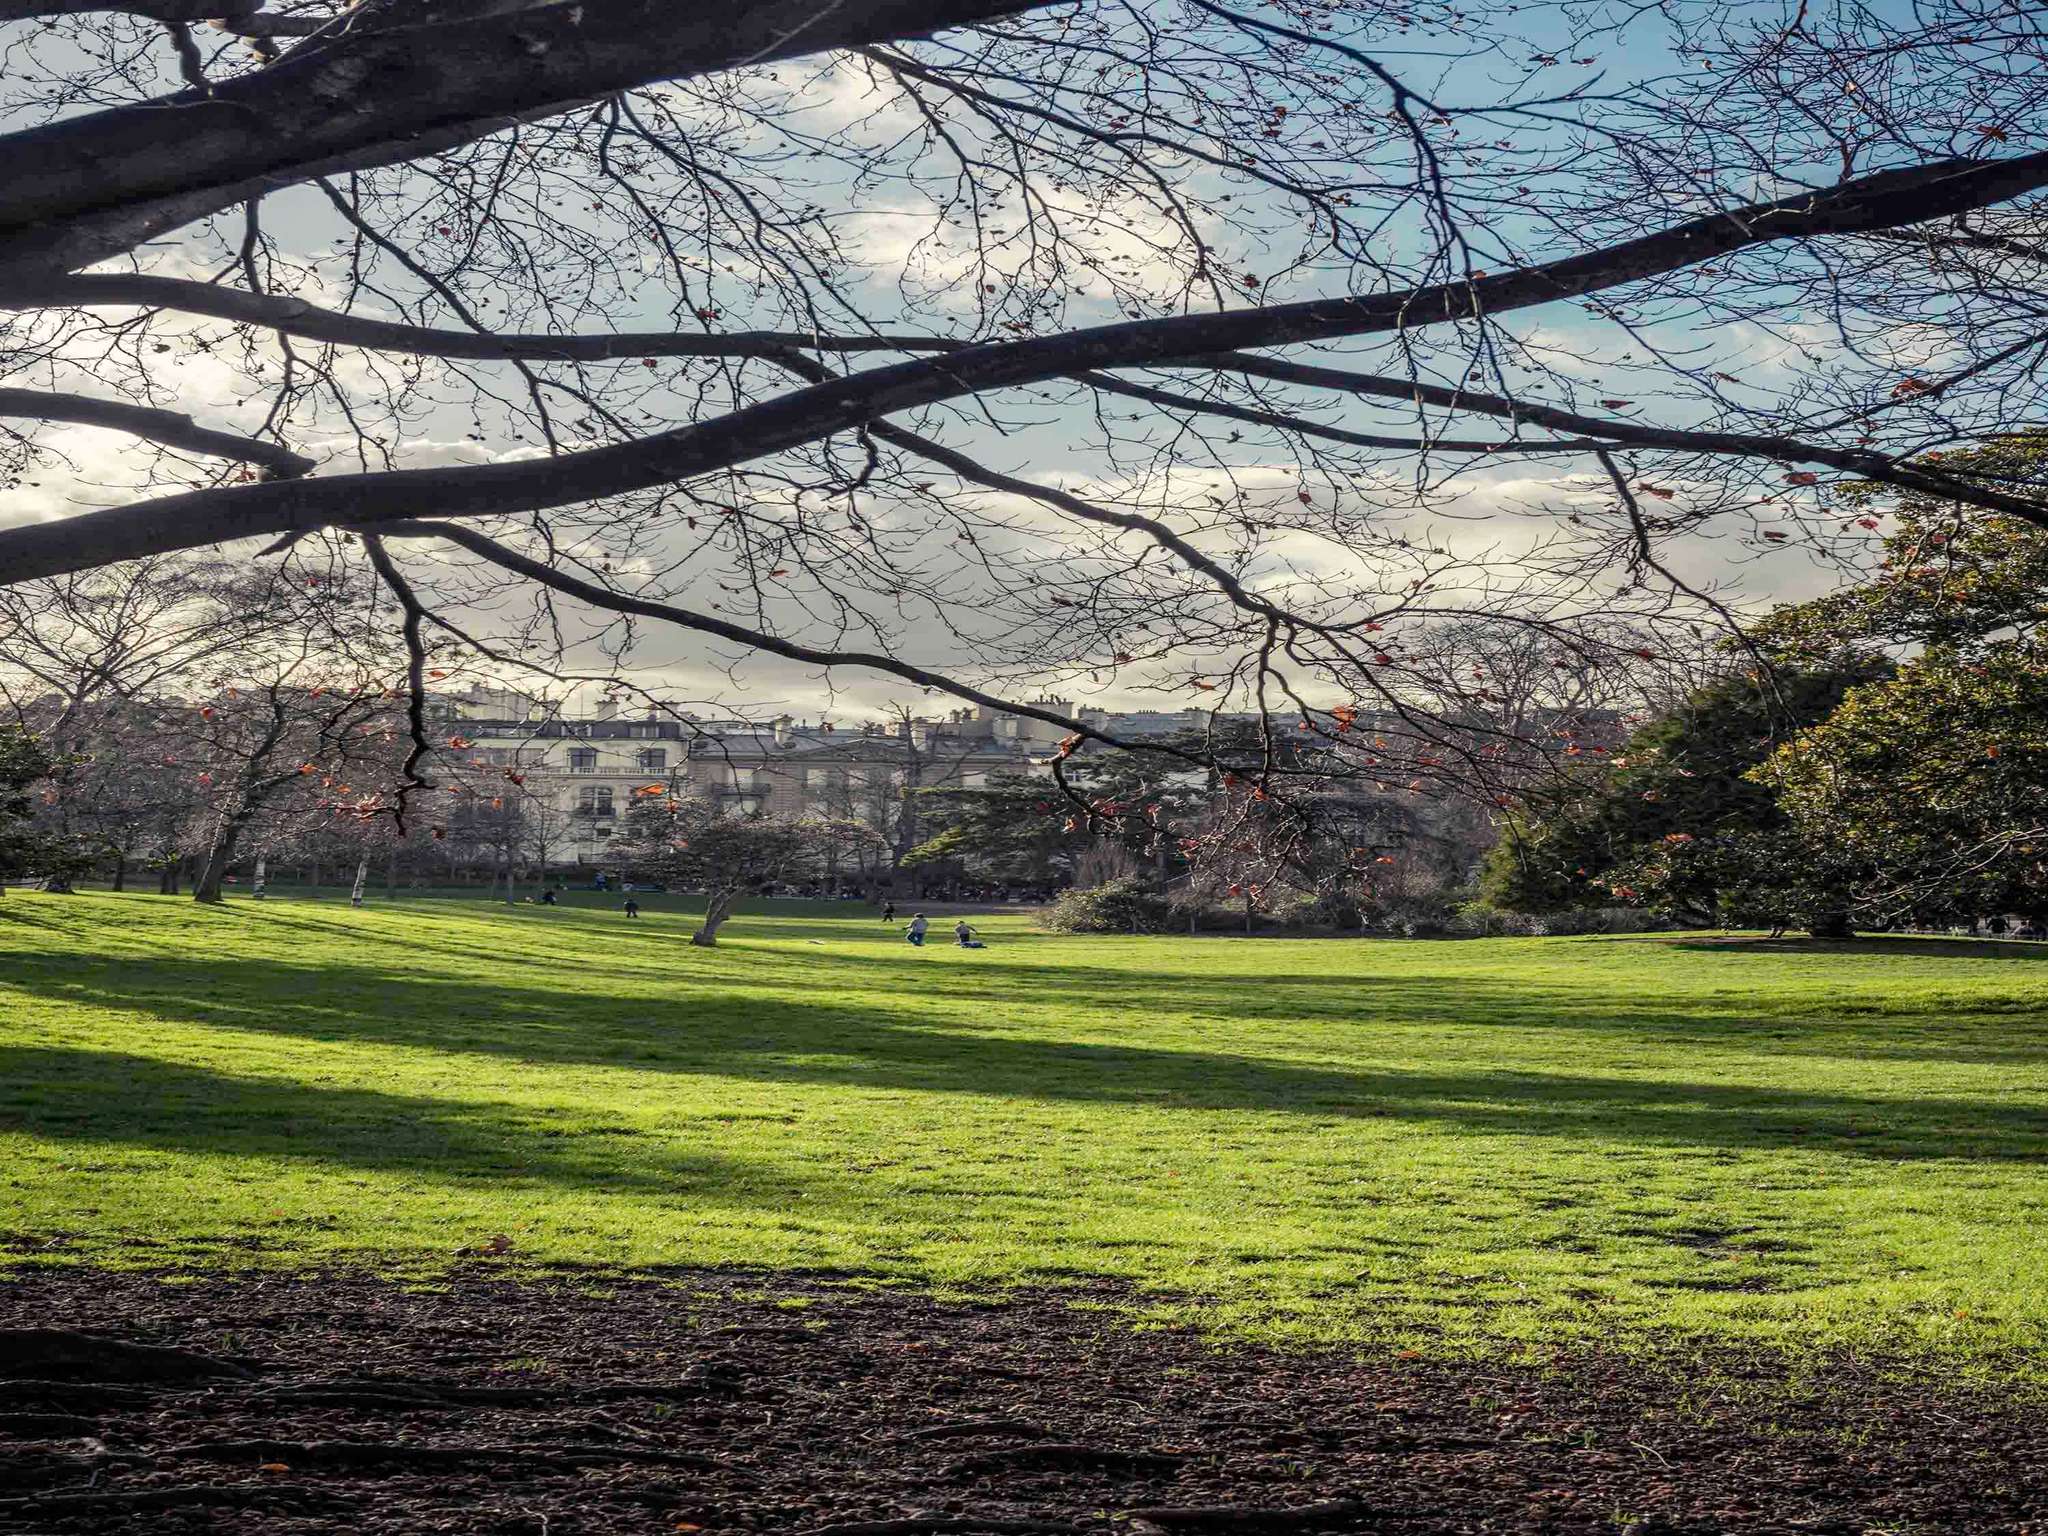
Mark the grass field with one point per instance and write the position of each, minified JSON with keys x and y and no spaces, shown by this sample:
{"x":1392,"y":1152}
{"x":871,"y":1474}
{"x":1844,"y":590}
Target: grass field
{"x":1636,"y":1142}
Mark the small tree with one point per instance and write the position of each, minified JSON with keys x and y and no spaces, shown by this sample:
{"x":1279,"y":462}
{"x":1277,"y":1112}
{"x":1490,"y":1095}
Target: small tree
{"x":693,"y":842}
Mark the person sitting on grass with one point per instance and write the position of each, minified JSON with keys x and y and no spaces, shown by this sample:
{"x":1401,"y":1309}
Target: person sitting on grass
{"x":915,"y":932}
{"x":965,"y":934}
{"x":632,"y":907}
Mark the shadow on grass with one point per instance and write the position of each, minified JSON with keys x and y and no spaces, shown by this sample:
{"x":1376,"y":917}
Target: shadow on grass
{"x":766,"y":1037}
{"x":1932,"y":948}
{"x":113,"y":1098}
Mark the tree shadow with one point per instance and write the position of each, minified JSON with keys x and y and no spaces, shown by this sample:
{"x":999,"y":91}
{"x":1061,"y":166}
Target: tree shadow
{"x":949,"y":1047}
{"x":111,"y":1098}
{"x":1985,"y":1031}
{"x":1930,"y":948}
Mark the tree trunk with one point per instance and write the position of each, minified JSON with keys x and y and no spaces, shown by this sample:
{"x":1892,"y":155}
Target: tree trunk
{"x":214,"y":871}
{"x":717,"y":908}
{"x":355,"y":894}
{"x":391,"y":873}
{"x":256,"y":885}
{"x":120,"y":871}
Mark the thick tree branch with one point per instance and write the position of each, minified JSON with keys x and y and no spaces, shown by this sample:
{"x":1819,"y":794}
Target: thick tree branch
{"x":358,"y":92}
{"x":415,"y":615}
{"x":154,"y":10}
{"x":171,"y":428}
{"x":310,"y":322}
{"x":807,"y":415}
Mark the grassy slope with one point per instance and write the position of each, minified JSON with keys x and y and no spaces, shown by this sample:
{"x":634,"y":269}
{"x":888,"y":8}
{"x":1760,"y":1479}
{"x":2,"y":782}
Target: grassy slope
{"x":1444,"y":1144}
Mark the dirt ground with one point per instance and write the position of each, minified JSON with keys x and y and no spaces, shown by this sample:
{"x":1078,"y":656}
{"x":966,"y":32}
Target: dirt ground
{"x":716,"y":1402}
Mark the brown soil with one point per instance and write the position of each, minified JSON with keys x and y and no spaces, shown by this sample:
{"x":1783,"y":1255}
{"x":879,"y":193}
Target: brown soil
{"x":727,"y":1402}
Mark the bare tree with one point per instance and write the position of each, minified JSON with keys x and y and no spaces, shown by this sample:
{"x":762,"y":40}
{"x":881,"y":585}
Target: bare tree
{"x":582,"y":319}
{"x":182,"y":699}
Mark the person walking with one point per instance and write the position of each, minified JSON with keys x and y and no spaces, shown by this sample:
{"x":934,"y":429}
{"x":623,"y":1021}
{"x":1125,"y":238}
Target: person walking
{"x":915,"y":933}
{"x":888,"y":911}
{"x":632,"y":907}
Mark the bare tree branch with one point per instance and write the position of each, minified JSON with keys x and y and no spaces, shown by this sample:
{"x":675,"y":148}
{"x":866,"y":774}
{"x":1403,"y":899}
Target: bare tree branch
{"x":1880,"y":201}
{"x":171,"y":428}
{"x":351,"y":96}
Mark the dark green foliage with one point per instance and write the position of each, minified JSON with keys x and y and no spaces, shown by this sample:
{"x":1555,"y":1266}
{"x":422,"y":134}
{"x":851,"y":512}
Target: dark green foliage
{"x":1950,"y":575}
{"x":24,"y":760}
{"x":1934,"y":781}
{"x":1011,"y":829}
{"x":1675,"y":823}
{"x":1929,"y":786}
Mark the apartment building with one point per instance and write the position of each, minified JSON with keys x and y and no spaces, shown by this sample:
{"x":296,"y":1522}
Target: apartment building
{"x":580,"y":774}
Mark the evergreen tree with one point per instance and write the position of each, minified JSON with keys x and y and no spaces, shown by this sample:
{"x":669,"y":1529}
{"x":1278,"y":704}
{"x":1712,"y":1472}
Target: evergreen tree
{"x":1675,"y":822}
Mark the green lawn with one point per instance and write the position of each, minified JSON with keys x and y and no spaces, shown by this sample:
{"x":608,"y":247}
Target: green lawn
{"x":1644,"y":1142}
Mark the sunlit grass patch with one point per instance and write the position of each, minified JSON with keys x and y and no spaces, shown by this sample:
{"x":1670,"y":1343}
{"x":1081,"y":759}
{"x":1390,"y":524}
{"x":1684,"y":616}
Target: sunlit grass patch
{"x":1450,"y":1145}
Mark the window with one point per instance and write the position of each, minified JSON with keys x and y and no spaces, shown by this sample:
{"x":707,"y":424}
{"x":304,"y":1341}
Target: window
{"x":654,"y":759}
{"x":594,"y":800}
{"x":583,"y":759}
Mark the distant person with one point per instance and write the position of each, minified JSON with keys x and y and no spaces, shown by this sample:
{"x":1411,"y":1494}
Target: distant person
{"x":965,"y":934}
{"x":888,"y":911}
{"x":600,"y":883}
{"x":632,"y":907}
{"x":915,"y":933}
{"x":547,"y":898}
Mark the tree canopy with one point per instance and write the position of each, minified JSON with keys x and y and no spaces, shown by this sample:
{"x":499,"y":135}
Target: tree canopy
{"x":1931,"y":784}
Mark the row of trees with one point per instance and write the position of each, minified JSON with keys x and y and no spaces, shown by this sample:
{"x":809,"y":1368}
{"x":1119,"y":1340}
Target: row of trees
{"x":179,"y":719}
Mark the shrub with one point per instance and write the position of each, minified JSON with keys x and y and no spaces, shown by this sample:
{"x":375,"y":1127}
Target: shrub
{"x":1120,"y":906}
{"x":1481,"y":920}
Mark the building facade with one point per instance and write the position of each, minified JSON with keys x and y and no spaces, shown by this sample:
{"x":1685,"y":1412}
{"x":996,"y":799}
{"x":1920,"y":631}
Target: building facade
{"x":574,"y":778}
